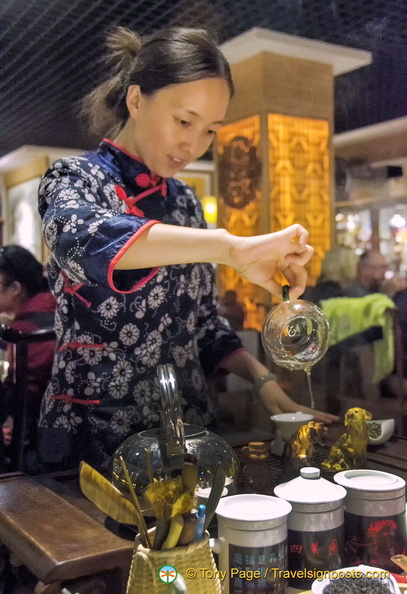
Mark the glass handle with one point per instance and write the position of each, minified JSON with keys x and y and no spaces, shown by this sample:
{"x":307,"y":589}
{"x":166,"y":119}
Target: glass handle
{"x":171,"y":411}
{"x":286,"y":292}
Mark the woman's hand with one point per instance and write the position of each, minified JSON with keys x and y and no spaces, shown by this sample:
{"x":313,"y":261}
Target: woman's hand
{"x":258,"y":259}
{"x":276,"y":401}
{"x":318,"y":415}
{"x":271,"y":395}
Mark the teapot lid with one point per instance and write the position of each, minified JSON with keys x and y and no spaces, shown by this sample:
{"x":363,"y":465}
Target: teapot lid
{"x":310,"y":487}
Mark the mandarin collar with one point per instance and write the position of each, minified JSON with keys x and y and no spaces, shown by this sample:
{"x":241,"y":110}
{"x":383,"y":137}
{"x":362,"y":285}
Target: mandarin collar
{"x":130,"y":168}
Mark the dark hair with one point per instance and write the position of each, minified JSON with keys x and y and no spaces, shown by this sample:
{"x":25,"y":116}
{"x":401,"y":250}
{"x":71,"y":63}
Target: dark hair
{"x":172,"y":56}
{"x":364,"y":256}
{"x":18,"y":264}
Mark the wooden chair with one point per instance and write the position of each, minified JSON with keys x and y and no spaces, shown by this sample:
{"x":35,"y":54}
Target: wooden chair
{"x":398,"y":356}
{"x":20,"y":341}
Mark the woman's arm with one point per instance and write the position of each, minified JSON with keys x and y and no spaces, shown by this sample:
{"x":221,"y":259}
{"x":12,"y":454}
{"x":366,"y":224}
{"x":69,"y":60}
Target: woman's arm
{"x":271,"y":395}
{"x":256,"y":258}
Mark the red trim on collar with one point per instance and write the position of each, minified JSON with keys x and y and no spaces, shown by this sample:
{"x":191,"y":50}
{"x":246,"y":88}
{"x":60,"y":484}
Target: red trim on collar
{"x":123,"y":150}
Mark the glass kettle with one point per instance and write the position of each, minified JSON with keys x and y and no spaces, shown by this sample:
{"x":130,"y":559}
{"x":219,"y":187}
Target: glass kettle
{"x":296,"y":335}
{"x":165,"y":446}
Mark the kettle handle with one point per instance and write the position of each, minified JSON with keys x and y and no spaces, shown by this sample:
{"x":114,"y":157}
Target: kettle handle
{"x":286,"y":293}
{"x":171,"y":407}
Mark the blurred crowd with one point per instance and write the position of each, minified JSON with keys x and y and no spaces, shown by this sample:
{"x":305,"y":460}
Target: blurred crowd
{"x":345,"y":274}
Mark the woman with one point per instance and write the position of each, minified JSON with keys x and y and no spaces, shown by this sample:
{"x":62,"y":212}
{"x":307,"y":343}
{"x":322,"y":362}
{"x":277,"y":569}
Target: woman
{"x":26,"y":304}
{"x":131,"y":252}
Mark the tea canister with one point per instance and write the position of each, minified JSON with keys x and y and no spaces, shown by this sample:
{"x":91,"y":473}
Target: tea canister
{"x":315,"y":526}
{"x":252,"y":544}
{"x":374,"y":517}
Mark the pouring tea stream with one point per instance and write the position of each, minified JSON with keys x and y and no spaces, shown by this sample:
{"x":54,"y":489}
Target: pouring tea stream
{"x":296,"y":335}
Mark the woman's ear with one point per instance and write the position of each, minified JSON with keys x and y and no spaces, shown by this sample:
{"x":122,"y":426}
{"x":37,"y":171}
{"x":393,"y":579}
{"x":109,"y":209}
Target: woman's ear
{"x":133,"y":100}
{"x":16,"y":288}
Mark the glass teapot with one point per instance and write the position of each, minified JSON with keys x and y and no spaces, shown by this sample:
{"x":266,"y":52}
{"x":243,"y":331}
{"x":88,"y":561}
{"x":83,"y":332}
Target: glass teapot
{"x":165,"y":446}
{"x":295,"y":334}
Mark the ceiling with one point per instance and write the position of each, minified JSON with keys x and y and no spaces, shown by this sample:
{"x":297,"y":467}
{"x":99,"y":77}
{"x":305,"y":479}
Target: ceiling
{"x":50,"y":52}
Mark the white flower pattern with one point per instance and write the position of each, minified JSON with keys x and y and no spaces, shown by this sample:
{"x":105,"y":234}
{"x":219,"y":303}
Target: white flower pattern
{"x":118,"y":387}
{"x":156,"y":297}
{"x":123,"y":370}
{"x":129,"y":334}
{"x":109,"y":308}
{"x":114,"y":327}
{"x":120,"y":422}
{"x":143,"y":392}
{"x":72,"y":224}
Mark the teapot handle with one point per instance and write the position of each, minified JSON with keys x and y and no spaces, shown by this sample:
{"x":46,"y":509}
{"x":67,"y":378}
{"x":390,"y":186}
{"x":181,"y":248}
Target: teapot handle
{"x":171,"y":408}
{"x":286,"y":293}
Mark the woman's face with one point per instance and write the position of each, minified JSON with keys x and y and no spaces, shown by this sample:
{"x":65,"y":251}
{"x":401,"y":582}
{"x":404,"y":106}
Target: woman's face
{"x":9,"y":295}
{"x":176,"y":125}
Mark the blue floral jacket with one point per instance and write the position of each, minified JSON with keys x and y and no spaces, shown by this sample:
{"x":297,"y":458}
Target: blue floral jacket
{"x":114,"y":327}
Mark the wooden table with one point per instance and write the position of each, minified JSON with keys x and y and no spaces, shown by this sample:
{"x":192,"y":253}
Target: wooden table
{"x":63,"y":539}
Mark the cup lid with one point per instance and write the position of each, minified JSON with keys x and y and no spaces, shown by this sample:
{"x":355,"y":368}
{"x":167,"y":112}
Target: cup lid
{"x":369,"y":480}
{"x":309,"y":487}
{"x":252,"y":507}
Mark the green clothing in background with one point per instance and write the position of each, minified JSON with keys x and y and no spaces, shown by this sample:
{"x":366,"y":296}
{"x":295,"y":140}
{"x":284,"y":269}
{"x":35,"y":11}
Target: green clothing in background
{"x":351,"y":315}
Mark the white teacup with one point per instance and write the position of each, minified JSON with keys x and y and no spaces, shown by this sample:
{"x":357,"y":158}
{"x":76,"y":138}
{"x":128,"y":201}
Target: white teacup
{"x":287,"y":424}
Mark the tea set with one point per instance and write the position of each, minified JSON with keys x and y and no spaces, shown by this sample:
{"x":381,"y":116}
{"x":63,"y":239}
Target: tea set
{"x":309,"y":521}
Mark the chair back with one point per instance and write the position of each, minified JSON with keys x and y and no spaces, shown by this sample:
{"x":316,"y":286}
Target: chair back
{"x":351,"y":365}
{"x":20,"y":341}
{"x":399,"y":354}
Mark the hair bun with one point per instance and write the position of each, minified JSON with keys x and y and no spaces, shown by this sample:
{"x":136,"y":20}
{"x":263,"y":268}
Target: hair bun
{"x":122,"y":45}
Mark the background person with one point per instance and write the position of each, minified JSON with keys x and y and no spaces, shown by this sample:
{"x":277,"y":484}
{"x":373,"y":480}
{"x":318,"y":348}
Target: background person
{"x":26,"y":304}
{"x":370,"y":274}
{"x":338,"y":270}
{"x":231,"y":309}
{"x":131,"y":253}
{"x":396,"y":289}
